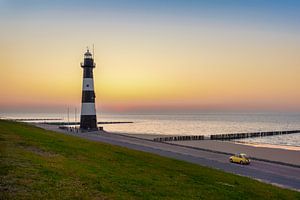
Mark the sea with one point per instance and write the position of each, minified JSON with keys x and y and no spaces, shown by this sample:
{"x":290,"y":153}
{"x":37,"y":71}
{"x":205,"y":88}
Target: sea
{"x":201,"y":123}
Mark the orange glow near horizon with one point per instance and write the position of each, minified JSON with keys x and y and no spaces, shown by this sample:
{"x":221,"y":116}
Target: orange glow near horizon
{"x":137,"y":81}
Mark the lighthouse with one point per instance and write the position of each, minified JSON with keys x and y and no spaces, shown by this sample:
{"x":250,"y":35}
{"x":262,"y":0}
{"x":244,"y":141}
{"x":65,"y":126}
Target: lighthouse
{"x":88,"y":118}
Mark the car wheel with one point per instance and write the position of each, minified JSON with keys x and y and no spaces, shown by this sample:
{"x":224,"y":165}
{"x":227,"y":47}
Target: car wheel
{"x":241,"y":162}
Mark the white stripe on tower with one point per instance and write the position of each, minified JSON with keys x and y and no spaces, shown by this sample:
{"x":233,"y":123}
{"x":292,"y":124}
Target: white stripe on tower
{"x":88,"y":109}
{"x":88,"y":84}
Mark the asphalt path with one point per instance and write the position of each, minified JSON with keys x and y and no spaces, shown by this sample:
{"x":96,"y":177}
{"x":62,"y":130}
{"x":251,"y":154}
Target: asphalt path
{"x":277,"y":174}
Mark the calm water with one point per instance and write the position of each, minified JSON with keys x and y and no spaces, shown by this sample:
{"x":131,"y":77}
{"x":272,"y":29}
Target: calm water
{"x":199,"y":124}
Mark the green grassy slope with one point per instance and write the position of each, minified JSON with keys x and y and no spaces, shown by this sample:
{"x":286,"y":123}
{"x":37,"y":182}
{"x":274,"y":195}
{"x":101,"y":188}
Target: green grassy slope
{"x":39,"y":164}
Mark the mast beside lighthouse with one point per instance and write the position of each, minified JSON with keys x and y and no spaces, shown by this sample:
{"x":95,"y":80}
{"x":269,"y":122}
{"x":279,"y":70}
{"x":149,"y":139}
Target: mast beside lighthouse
{"x":88,"y":117}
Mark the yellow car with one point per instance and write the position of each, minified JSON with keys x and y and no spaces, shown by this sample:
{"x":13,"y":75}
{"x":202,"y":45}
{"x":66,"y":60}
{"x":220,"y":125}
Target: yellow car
{"x":240,"y":158}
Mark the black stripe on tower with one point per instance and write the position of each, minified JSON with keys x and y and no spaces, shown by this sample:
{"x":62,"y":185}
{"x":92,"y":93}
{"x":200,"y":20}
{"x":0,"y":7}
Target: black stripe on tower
{"x":88,"y":122}
{"x":88,"y":96}
{"x":87,"y":72}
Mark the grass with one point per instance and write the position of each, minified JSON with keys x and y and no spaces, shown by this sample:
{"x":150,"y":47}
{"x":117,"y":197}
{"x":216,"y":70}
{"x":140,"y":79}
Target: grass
{"x":39,"y":164}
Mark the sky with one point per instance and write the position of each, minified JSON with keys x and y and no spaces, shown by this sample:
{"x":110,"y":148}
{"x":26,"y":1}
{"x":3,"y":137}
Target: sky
{"x":158,"y":55}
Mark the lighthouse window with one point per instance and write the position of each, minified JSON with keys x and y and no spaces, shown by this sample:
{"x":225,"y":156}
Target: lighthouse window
{"x":87,"y":85}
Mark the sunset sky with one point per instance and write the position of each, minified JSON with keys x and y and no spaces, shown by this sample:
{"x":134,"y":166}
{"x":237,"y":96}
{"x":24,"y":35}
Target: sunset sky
{"x":151,"y":55}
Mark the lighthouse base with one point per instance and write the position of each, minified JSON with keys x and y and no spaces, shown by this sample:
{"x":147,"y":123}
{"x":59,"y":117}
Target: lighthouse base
{"x":88,"y":122}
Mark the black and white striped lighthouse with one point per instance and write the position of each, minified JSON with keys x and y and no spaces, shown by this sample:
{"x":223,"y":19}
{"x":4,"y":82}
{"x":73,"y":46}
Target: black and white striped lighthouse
{"x":88,"y":118}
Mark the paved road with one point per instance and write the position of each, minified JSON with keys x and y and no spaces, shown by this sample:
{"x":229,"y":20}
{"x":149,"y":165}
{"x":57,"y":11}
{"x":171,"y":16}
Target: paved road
{"x":281,"y":175}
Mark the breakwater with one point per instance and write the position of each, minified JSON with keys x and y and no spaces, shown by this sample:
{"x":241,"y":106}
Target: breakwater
{"x":179,"y":138}
{"x":229,"y":136}
{"x":37,"y":119}
{"x":78,"y":123}
{"x":233,"y":136}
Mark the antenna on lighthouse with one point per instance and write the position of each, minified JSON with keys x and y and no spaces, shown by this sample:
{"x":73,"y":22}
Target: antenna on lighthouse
{"x":93,"y":52}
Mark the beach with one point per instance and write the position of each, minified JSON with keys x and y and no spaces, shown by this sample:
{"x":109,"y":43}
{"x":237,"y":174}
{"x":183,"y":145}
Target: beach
{"x":259,"y":152}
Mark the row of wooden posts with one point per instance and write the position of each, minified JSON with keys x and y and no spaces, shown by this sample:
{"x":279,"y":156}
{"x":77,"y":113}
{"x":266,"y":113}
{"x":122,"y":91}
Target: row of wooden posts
{"x":234,"y":136}
{"x":230,"y":136}
{"x":179,"y":138}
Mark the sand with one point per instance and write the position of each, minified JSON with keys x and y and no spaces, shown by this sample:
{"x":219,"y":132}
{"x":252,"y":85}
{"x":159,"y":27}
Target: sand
{"x":260,"y":152}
